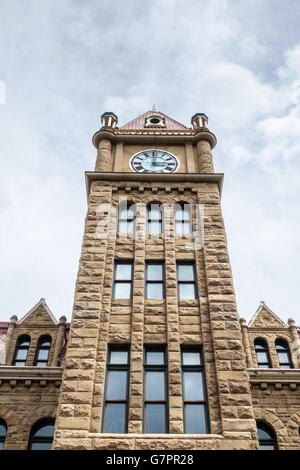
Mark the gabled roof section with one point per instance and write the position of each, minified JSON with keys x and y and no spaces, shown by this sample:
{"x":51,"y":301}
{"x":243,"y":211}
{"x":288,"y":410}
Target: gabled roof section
{"x":142,"y":122}
{"x":265,"y":318}
{"x":39,"y":314}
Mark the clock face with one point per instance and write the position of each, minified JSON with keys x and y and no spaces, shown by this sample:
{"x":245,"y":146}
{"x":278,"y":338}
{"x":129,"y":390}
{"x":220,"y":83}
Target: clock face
{"x":154,"y":161}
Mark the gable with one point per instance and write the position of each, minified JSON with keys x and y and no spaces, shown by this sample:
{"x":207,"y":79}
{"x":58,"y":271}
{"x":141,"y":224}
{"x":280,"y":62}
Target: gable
{"x":39,"y":315}
{"x":139,"y":122}
{"x":265,"y":318}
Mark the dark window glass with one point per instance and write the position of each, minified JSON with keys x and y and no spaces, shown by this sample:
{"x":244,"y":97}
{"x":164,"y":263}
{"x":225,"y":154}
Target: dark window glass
{"x":3,"y":429}
{"x":127,"y":218}
{"x":186,"y":280}
{"x":123,"y":280}
{"x":262,"y":354}
{"x":183,"y":218}
{"x":194,"y":394}
{"x":41,"y":435}
{"x":266,"y":436}
{"x":116,"y":390}
{"x":42,"y":351}
{"x":283,"y":353}
{"x":155,"y":280}
{"x":155,"y":218}
{"x":21,"y":351}
{"x":155,"y":390}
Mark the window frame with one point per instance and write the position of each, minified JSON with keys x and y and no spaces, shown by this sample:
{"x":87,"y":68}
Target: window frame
{"x":264,"y":350}
{"x":39,"y":348}
{"x":195,"y":368}
{"x":156,"y":368}
{"x":284,"y":344}
{"x":127,"y":219}
{"x":160,"y":220}
{"x":162,"y":281}
{"x":194,"y":282}
{"x":3,"y":437}
{"x":116,"y":367}
{"x":269,"y":430}
{"x":40,"y":439}
{"x":22,"y":338}
{"x":122,"y":281}
{"x":189,"y":222}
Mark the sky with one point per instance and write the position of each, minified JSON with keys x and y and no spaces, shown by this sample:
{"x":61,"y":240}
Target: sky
{"x":65,"y":62}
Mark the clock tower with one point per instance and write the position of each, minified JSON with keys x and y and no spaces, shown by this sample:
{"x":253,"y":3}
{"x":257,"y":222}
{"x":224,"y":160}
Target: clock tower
{"x":155,"y":357}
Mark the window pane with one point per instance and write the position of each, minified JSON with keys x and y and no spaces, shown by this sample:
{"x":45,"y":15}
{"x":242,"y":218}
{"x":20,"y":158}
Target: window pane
{"x":195,"y":422}
{"x":190,"y":358}
{"x":115,"y":418}
{"x":123,"y":290}
{"x":185,"y":272}
{"x":155,"y":386}
{"x":155,"y":291}
{"x":263,"y":366}
{"x":186,"y":227}
{"x":118,"y":357}
{"x":187,"y":291}
{"x":20,"y":363}
{"x":1,"y":445}
{"x":43,"y":354}
{"x":283,"y":357}
{"x":2,"y":430}
{"x":41,"y":446}
{"x":193,"y":386}
{"x":21,"y":354}
{"x":262,"y":434}
{"x":266,"y":447}
{"x":24,"y":342}
{"x":154,"y":227}
{"x":287,"y":366}
{"x":281,"y":347}
{"x":186,"y":212}
{"x":154,"y":212}
{"x":154,"y":272}
{"x":155,"y":416}
{"x":262,"y":357}
{"x":155,"y":357}
{"x":179,"y":228}
{"x":117,"y":385}
{"x":45,"y":431}
{"x":123,"y":228}
{"x":259,"y":346}
{"x":123,"y":272}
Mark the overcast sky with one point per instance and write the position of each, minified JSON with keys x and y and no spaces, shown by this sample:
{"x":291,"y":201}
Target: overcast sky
{"x":64,"y":62}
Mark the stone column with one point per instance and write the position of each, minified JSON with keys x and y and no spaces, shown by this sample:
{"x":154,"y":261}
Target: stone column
{"x":295,"y":343}
{"x":204,"y":157}
{"x":8,"y":340}
{"x":104,"y":157}
{"x":246,"y":342}
{"x":59,"y":340}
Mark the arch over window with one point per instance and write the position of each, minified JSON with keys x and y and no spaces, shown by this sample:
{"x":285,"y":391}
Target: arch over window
{"x":3,"y":430}
{"x":126,"y":217}
{"x":42,"y":351}
{"x":266,"y":436}
{"x":262,"y":353}
{"x":41,"y":435}
{"x":284,"y":354}
{"x":183,"y":218}
{"x":154,"y":218}
{"x":21,"y":351}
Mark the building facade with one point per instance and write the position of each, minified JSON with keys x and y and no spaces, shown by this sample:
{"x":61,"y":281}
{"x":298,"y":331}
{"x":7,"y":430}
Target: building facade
{"x":157,"y":356}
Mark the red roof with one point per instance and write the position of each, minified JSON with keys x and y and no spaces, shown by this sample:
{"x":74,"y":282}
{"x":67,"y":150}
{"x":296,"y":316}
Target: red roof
{"x":140,"y":121}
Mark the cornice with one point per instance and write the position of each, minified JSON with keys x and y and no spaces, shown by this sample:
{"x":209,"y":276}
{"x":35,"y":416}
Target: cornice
{"x":274,"y":375}
{"x":139,"y":178}
{"x":146,"y":136}
{"x":30,"y":373}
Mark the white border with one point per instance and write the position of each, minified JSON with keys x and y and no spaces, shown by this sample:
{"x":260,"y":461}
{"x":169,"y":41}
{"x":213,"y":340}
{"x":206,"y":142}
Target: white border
{"x":154,"y":172}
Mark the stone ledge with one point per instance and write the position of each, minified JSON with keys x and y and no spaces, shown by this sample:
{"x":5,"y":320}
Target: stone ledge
{"x":30,"y":373}
{"x":156,"y":436}
{"x":274,"y":375}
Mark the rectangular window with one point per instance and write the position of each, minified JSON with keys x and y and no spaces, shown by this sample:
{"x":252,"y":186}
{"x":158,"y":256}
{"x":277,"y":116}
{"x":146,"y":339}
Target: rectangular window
{"x":155,"y":280}
{"x":186,"y":280}
{"x":194,"y":393}
{"x":155,"y":390}
{"x":115,"y":417}
{"x":123,"y":280}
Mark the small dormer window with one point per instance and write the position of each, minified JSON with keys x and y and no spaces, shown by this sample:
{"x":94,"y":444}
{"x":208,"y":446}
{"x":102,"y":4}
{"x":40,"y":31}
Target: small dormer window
{"x":155,"y":121}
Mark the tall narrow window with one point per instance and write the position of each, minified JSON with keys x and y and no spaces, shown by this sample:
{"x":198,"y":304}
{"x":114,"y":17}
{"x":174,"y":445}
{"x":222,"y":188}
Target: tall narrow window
{"x":154,"y":218}
{"x":183,"y":218}
{"x":123,"y":280}
{"x":283,"y":353}
{"x":127,"y":217}
{"x":194,"y":393}
{"x":42,"y":351}
{"x":21,"y":351}
{"x":155,"y":390}
{"x":3,"y":429}
{"x":262,"y":353}
{"x":186,"y":280}
{"x":115,"y":417}
{"x":155,"y":276}
{"x":266,"y":436}
{"x":41,"y":435}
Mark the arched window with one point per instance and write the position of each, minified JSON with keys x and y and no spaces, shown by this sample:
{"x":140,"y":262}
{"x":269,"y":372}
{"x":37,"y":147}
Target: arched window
{"x":266,"y":436}
{"x":283,"y":353}
{"x":3,"y":429}
{"x":262,"y":354}
{"x":183,"y":218}
{"x":21,"y":351}
{"x":41,"y":435}
{"x":42,"y":351}
{"x":154,"y":218}
{"x":127,"y":217}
